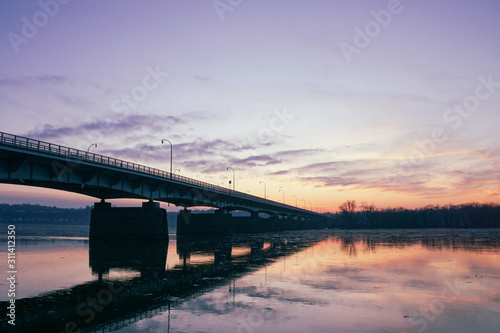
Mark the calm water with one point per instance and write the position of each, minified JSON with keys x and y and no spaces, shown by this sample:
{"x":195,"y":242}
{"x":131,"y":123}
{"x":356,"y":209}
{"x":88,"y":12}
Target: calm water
{"x":429,"y":280}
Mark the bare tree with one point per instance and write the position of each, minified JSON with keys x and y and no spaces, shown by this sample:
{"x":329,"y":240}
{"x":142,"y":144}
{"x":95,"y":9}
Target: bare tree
{"x":369,"y":213}
{"x":348,"y":209}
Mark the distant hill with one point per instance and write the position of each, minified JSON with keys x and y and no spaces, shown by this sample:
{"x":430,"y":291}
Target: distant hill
{"x":27,"y":213}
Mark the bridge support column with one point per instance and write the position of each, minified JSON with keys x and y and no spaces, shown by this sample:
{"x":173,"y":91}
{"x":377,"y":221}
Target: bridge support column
{"x":294,"y":224}
{"x":275,"y":223}
{"x":248,"y":224}
{"x":204,"y":224}
{"x":256,"y":249}
{"x":148,"y":222}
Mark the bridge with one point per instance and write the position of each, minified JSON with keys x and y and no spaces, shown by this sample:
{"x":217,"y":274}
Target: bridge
{"x":26,"y":161}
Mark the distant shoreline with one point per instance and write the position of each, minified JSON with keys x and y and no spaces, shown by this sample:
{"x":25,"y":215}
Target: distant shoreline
{"x":466,"y":216}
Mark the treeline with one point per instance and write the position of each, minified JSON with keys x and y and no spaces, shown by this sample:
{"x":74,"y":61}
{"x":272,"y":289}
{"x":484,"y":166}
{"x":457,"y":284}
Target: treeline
{"x":365,"y":216}
{"x":27,"y":213}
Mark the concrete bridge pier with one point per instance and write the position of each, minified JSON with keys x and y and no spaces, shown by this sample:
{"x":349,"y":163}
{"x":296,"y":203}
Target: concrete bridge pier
{"x":148,"y":222}
{"x":256,"y":249}
{"x":218,"y":223}
{"x":248,"y":224}
{"x":222,"y":253}
{"x":274,"y":223}
{"x":289,"y":223}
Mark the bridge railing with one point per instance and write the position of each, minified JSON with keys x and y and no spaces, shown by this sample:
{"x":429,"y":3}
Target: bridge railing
{"x":80,"y":155}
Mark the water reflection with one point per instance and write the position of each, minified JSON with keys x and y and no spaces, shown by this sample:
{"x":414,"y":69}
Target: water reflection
{"x":476,"y":240}
{"x":357,"y":281}
{"x":148,"y":258}
{"x":232,"y":248}
{"x":218,"y":248}
{"x":364,"y":281}
{"x":144,"y":286}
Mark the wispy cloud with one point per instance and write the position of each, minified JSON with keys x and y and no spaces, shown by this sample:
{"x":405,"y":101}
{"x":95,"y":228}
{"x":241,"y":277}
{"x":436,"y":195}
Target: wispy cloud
{"x":297,"y":153}
{"x":201,"y":79}
{"x":253,"y":161}
{"x":30,"y":80}
{"x":205,"y":156}
{"x":434,"y":176}
{"x":121,"y":123}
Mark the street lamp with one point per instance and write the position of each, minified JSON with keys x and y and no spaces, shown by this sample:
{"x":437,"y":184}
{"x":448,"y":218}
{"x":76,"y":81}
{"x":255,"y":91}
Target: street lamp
{"x":304,"y":204}
{"x":162,"y":141}
{"x":234,"y":185}
{"x":295,"y":200}
{"x":92,"y":145}
{"x":265,"y":195}
{"x":177,"y":170}
{"x":283,"y":196}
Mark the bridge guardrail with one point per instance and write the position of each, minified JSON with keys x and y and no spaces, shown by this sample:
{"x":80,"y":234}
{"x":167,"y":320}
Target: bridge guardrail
{"x":80,"y":155}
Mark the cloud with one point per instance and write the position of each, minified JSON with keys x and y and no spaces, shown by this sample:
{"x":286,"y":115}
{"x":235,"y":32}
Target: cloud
{"x":204,"y":166}
{"x":53,"y":98}
{"x":217,"y":151}
{"x":201,"y":79}
{"x":435,"y":176}
{"x":24,"y":81}
{"x":253,"y":161}
{"x":202,"y":146}
{"x":121,"y":123}
{"x":297,"y":153}
{"x":205,"y":156}
{"x":494,"y":194}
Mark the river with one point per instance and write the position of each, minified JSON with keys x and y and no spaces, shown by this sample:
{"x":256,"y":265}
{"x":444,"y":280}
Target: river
{"x":427,"y":280}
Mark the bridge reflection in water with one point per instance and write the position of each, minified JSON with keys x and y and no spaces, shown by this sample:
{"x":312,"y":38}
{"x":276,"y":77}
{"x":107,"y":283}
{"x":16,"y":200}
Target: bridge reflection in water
{"x":147,"y":258}
{"x":134,"y":280}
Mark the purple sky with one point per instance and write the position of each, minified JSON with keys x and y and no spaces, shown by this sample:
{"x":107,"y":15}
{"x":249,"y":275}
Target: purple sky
{"x":391,"y":102}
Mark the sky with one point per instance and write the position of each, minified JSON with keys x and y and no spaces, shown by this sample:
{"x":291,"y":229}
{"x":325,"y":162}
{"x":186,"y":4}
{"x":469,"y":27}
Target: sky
{"x":395,"y":103}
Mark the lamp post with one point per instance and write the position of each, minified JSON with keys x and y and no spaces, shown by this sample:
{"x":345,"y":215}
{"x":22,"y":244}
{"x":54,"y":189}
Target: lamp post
{"x":265,"y":195}
{"x":283,"y":196}
{"x":162,"y":141}
{"x":176,"y":171}
{"x":295,"y":200}
{"x":234,"y":185}
{"x":88,"y":149}
{"x":92,"y":145}
{"x":304,"y":204}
